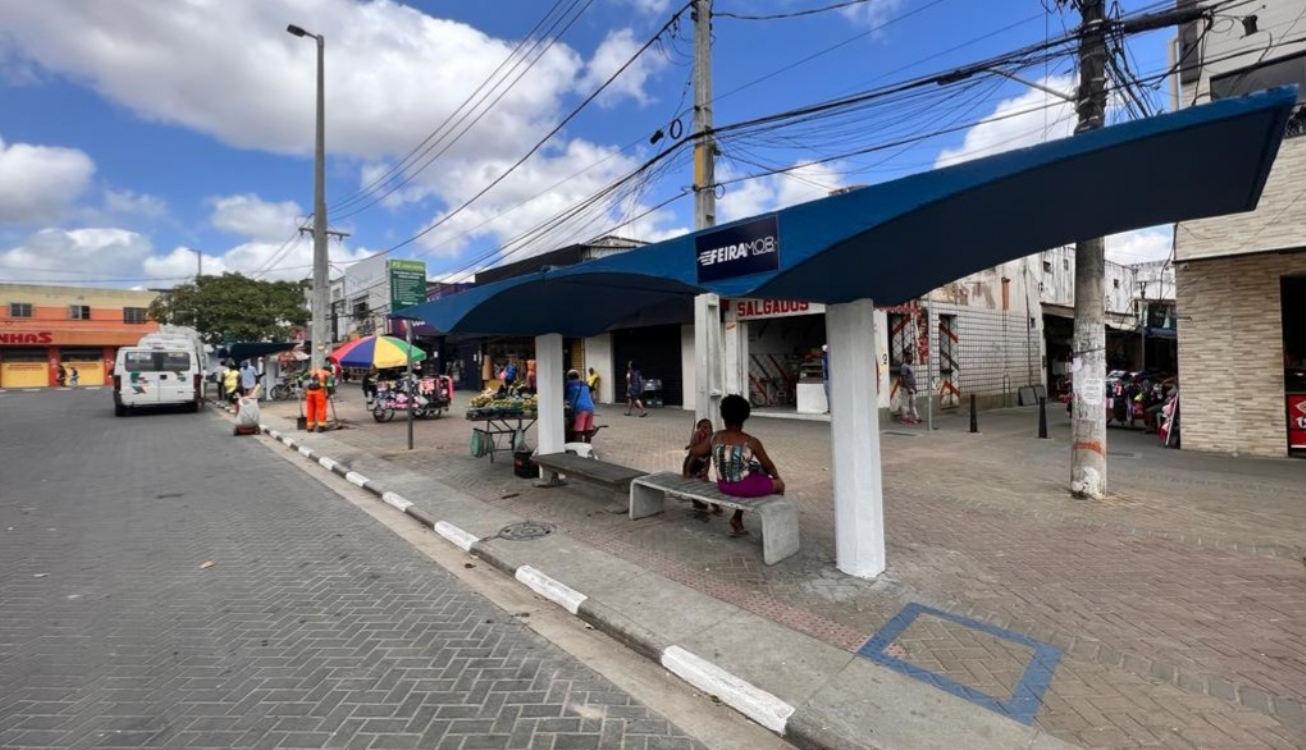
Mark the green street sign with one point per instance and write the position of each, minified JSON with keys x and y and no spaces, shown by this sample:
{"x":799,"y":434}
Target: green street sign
{"x":407,"y":283}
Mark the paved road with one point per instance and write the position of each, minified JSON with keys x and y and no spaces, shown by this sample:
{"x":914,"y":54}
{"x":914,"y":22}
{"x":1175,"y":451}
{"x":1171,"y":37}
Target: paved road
{"x":315,"y":627}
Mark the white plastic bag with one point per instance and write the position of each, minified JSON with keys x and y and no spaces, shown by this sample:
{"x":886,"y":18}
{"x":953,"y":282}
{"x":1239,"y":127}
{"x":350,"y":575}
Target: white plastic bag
{"x":247,"y":416}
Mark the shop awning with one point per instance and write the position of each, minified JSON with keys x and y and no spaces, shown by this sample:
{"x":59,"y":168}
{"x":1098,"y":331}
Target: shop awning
{"x":898,"y":240}
{"x":245,"y":350}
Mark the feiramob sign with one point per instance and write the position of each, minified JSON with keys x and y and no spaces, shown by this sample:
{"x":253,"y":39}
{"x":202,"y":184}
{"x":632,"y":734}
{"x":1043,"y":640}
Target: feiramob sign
{"x":741,"y":250}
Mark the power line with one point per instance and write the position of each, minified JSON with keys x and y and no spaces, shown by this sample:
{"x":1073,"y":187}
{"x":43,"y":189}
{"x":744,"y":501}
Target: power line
{"x":530,"y":37}
{"x":794,"y":14}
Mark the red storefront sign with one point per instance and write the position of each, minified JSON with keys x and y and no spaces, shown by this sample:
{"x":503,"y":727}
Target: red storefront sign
{"x":40,"y":337}
{"x":1297,"y":421}
{"x":752,"y":309}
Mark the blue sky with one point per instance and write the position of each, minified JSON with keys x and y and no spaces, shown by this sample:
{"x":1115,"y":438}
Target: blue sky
{"x":135,"y":131}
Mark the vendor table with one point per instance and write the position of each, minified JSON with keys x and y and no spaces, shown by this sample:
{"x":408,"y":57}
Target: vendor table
{"x":503,"y":425}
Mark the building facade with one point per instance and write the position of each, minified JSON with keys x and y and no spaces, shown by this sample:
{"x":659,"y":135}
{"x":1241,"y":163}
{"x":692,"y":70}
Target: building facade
{"x":1242,"y":278}
{"x":43,"y":327}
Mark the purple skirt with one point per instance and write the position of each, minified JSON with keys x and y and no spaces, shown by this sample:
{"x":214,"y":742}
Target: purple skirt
{"x":753,"y":485}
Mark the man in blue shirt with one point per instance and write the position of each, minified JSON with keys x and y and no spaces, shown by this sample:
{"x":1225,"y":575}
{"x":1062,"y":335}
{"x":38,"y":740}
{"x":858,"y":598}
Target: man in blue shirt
{"x":248,"y":378}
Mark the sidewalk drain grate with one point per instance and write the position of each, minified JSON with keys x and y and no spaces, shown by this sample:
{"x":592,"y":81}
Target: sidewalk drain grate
{"x":525,"y":531}
{"x":1122,"y":454}
{"x":898,"y":433}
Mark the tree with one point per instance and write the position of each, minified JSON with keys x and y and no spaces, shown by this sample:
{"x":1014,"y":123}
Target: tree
{"x":234,"y":307}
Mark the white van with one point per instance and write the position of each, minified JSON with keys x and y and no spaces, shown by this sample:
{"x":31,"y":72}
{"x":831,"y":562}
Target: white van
{"x":158,"y":373}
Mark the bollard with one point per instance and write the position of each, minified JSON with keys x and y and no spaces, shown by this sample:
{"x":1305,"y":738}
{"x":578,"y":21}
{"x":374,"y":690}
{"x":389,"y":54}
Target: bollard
{"x":1043,"y":417}
{"x":974,"y":418}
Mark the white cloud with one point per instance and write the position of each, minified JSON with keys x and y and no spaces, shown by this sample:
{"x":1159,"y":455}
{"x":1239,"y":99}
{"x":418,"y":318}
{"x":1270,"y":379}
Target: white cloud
{"x":105,"y":255}
{"x":131,"y":203}
{"x":1140,"y":245}
{"x":76,"y":256}
{"x":249,"y":215}
{"x":650,"y":7}
{"x":229,"y":69}
{"x":539,"y":191}
{"x":773,"y":192}
{"x":872,"y":13}
{"x":1031,"y":118}
{"x":617,"y":48}
{"x":38,"y":183}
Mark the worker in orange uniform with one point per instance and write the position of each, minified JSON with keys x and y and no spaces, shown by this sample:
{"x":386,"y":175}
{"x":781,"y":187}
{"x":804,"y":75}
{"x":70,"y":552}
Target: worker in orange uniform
{"x":315,"y":397}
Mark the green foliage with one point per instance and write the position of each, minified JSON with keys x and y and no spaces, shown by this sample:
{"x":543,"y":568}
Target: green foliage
{"x":234,"y":307}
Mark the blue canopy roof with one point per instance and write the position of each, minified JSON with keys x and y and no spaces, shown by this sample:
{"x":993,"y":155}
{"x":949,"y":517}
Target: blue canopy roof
{"x":896,"y":241}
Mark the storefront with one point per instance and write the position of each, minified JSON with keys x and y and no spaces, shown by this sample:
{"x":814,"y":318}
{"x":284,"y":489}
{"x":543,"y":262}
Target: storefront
{"x":45,"y":327}
{"x":1293,"y":296}
{"x":658,"y":352}
{"x":780,"y":348}
{"x":26,"y":366}
{"x":1242,"y":362}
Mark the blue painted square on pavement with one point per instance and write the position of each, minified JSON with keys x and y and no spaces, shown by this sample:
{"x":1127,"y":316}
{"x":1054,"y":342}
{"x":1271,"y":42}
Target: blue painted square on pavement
{"x":1025,"y":699}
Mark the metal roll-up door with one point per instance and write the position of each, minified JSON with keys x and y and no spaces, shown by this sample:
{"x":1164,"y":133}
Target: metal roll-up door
{"x":657,"y":351}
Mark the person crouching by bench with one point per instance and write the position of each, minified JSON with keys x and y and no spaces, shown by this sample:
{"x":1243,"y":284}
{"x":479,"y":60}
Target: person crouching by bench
{"x":697,"y":467}
{"x":743,"y":468}
{"x":581,"y":407}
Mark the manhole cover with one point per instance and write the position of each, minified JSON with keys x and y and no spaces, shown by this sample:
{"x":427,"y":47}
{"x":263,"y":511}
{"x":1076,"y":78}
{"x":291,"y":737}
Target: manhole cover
{"x":526,"y":531}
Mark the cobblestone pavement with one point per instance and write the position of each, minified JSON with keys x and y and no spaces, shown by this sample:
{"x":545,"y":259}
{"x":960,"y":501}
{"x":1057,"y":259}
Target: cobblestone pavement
{"x":315,"y":627}
{"x":1180,"y":601}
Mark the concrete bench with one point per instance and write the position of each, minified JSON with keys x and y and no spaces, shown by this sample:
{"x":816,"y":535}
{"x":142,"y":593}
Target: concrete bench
{"x":600,"y":473}
{"x":779,"y":514}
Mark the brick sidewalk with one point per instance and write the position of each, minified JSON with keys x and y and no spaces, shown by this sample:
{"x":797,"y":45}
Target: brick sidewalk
{"x":1180,"y":602}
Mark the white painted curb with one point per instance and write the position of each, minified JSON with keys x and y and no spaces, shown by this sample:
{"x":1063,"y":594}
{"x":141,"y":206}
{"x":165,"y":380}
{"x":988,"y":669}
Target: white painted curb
{"x":327,"y":463}
{"x":396,"y":501}
{"x":555,"y":591}
{"x":305,"y":451}
{"x":356,"y":479}
{"x":456,"y":536}
{"x":744,"y":697}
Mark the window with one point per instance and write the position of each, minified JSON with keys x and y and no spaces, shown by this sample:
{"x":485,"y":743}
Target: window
{"x":170,"y":361}
{"x":20,"y":309}
{"x":133,"y":315}
{"x":360,"y":309}
{"x":1116,"y":283}
{"x":1047,"y":266}
{"x":79,"y":312}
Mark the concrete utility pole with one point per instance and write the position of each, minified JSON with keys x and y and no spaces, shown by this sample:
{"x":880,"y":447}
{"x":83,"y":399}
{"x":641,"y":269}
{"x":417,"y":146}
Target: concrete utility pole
{"x":321,"y":295}
{"x":707,"y":307}
{"x":1088,"y":456}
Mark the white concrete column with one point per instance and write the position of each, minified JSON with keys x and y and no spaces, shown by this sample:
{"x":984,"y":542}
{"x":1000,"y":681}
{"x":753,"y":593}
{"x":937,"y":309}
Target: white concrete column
{"x":707,"y":358}
{"x":735,"y":377}
{"x":855,"y":439}
{"x":549,"y":377}
{"x":598,"y":354}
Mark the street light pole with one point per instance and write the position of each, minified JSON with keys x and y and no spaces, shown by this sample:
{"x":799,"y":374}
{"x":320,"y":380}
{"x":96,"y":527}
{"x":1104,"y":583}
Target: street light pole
{"x":321,"y":298}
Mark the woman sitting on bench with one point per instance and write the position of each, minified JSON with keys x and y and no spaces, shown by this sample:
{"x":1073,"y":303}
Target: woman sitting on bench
{"x":742,"y":467}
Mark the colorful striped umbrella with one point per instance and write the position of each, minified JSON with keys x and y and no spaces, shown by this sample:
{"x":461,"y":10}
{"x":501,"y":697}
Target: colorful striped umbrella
{"x":375,"y":351}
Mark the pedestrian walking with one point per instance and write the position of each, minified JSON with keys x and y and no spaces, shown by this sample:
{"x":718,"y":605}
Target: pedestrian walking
{"x":315,"y":399}
{"x":231,"y":382}
{"x":61,"y":376}
{"x":634,"y":390}
{"x":593,"y":382}
{"x":907,"y":386}
{"x":74,"y":375}
{"x":248,"y":378}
